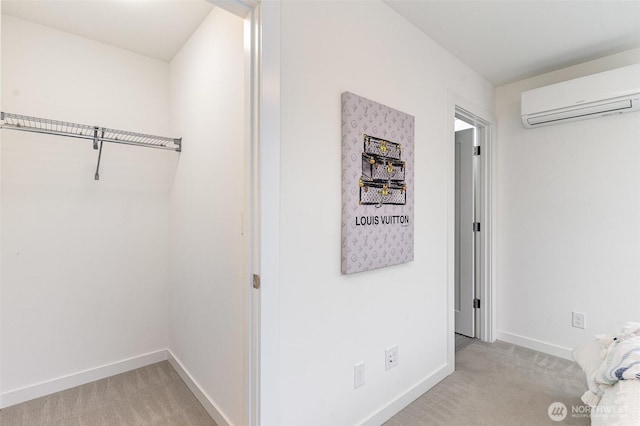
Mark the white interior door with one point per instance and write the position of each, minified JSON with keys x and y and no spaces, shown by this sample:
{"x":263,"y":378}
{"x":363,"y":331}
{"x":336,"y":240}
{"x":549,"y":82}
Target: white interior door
{"x":464,"y":247}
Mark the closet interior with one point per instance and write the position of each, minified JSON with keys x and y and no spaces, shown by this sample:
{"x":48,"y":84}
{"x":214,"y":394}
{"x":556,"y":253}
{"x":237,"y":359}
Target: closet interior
{"x":149,"y":260}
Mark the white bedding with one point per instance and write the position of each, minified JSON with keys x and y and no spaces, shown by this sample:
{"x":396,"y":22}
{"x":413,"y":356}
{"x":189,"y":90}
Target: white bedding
{"x":619,"y":406}
{"x":611,"y":364}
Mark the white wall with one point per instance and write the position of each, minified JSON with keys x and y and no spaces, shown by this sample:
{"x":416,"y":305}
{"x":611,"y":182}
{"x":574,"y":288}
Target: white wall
{"x":329,"y":322}
{"x":209,"y":277}
{"x":84,"y":263}
{"x":568,"y":209}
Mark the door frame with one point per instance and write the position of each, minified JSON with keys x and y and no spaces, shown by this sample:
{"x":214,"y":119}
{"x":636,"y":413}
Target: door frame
{"x":262,"y":123}
{"x":485,"y":316}
{"x":253,"y":52}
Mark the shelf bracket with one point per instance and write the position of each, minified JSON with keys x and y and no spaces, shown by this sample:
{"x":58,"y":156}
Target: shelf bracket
{"x":95,"y":138}
{"x":95,"y":142}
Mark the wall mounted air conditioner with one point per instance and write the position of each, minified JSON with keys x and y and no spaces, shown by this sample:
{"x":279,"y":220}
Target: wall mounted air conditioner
{"x":597,"y":95}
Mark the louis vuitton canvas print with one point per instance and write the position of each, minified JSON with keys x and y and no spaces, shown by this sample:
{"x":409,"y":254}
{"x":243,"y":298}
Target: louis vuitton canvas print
{"x":377,"y":185}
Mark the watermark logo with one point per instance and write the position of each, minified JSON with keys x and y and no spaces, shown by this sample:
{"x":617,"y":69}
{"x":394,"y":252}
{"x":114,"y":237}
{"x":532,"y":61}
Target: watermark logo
{"x":557,"y":411}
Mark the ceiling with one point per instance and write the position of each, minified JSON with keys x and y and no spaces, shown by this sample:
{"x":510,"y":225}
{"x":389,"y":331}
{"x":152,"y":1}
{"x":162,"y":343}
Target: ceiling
{"x":503,"y":41}
{"x":509,"y":40}
{"x":153,"y":28}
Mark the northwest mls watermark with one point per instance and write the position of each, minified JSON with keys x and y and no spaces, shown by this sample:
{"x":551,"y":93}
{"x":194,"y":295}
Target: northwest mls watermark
{"x":557,"y":411}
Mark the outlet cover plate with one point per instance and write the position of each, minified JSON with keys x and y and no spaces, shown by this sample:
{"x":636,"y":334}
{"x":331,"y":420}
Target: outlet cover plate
{"x":578,"y":320}
{"x":358,"y":375}
{"x":391,"y":358}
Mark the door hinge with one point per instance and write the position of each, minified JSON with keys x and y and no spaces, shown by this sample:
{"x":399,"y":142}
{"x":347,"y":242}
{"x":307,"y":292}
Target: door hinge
{"x":476,"y":303}
{"x":256,"y":281}
{"x":476,"y":150}
{"x":476,"y":226}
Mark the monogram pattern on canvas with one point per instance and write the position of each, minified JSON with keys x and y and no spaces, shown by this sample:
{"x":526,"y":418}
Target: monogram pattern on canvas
{"x":377,"y":185}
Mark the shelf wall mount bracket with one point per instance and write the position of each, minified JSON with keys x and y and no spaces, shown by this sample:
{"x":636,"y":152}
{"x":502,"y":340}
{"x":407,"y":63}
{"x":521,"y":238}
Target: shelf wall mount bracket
{"x":97,"y":175}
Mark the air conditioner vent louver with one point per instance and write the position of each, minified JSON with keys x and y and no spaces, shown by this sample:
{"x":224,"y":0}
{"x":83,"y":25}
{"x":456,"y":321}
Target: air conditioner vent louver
{"x":608,"y":93}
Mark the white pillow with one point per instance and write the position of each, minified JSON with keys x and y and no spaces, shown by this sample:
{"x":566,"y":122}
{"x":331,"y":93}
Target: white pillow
{"x":589,"y":356}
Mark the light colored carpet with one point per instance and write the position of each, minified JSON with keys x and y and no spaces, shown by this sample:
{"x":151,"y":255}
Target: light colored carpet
{"x":499,"y":384}
{"x":494,"y":385}
{"x":152,"y":395}
{"x":463,"y":341}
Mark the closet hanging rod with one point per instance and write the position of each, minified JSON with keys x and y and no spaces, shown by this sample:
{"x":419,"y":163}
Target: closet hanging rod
{"x":82,"y":131}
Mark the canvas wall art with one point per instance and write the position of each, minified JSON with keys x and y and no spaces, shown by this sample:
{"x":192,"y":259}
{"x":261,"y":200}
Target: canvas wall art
{"x":377,"y":185}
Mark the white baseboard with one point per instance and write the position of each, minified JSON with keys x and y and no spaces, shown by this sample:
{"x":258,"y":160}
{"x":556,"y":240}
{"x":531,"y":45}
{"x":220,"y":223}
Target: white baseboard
{"x":199,"y":393}
{"x":396,"y":405}
{"x":38,"y":390}
{"x":537,"y":345}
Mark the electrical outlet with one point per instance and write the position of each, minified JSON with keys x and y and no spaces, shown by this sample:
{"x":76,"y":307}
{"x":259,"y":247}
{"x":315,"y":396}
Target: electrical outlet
{"x":391,"y":357}
{"x":358,"y":375}
{"x":578,"y":320}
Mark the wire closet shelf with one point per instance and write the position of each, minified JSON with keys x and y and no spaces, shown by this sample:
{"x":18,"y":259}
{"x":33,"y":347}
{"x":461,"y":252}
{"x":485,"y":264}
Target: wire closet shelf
{"x":82,"y":131}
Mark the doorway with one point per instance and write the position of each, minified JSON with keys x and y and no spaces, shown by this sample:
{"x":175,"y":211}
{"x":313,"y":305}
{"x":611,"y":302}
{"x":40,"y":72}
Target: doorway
{"x":472,"y":292}
{"x":465,"y":220}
